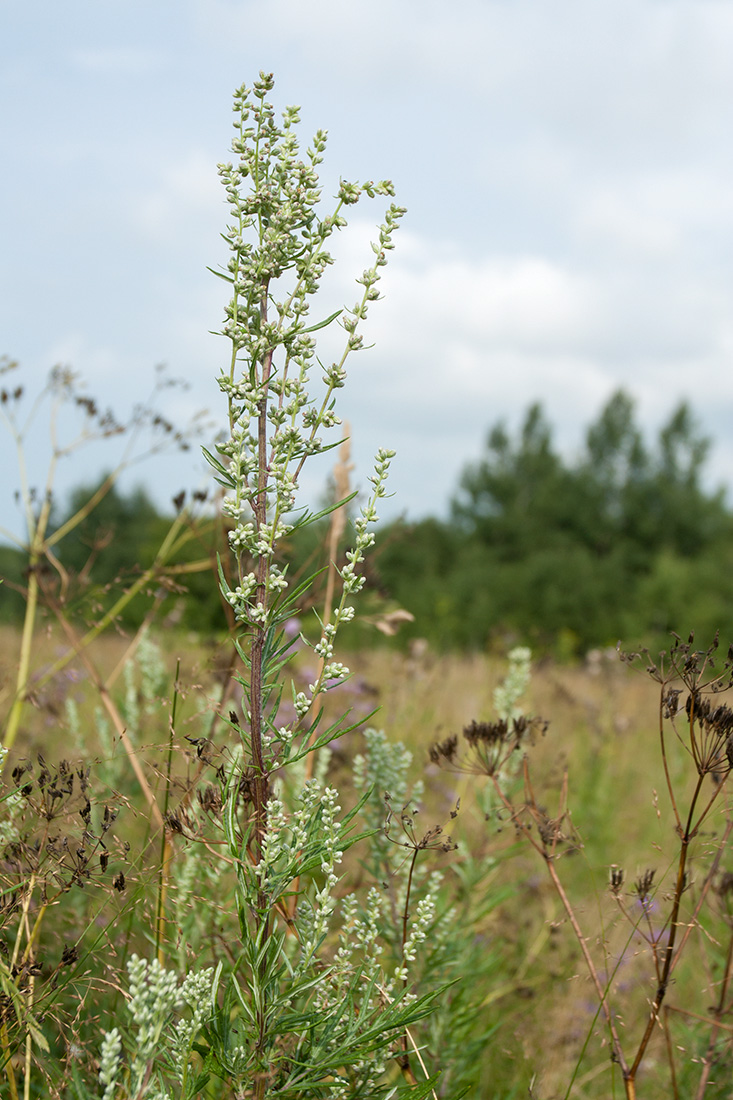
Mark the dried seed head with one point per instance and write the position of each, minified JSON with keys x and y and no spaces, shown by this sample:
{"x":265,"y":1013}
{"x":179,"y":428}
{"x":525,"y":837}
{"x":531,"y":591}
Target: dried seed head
{"x":616,"y":879}
{"x":643,"y":885}
{"x":670,"y":702}
{"x":69,"y":956}
{"x":433,"y":838}
{"x":490,"y":744}
{"x":210,"y":799}
{"x":445,"y":752}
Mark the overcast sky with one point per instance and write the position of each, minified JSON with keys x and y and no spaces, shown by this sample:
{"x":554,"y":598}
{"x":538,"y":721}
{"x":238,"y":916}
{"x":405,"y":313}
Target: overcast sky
{"x":567,"y":169}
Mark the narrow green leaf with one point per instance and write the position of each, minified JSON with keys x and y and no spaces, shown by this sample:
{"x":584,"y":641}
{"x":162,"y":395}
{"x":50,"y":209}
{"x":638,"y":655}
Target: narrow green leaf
{"x":221,"y":275}
{"x":322,"y":324}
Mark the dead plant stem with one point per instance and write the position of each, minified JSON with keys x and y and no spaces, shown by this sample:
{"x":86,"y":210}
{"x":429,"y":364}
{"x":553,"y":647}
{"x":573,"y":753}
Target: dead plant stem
{"x":673,"y":924}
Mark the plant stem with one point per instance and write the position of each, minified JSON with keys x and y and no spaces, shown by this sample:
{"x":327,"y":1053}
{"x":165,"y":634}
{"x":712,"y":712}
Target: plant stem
{"x":165,"y":840}
{"x":590,"y":965}
{"x":405,"y":1058}
{"x":717,"y":1013}
{"x":673,"y":924}
{"x":8,"y":1061}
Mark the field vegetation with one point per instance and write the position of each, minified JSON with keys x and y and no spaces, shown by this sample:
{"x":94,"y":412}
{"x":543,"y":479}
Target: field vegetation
{"x":285,"y":816}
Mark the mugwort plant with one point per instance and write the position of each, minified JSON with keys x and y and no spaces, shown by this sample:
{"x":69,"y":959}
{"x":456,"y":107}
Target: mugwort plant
{"x":288,"y":1013}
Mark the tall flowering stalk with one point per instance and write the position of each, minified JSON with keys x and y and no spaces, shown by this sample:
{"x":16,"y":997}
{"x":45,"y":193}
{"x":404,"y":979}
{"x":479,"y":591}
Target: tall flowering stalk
{"x":286,"y":1012}
{"x":278,"y":243}
{"x":278,"y":250}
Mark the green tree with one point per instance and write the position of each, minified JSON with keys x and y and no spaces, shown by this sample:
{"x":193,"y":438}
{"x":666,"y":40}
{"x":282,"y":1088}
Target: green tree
{"x":116,"y":542}
{"x":116,"y":537}
{"x":543,"y":548}
{"x":652,"y":500}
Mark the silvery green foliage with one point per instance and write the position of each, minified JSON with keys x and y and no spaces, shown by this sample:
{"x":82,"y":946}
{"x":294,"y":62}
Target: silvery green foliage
{"x":308,"y":1002}
{"x":145,"y":682}
{"x":382,"y":773}
{"x":334,"y":1015}
{"x":278,"y":243}
{"x":515,"y":684}
{"x":298,"y":1016}
{"x":165,"y":1018}
{"x":383,"y":768}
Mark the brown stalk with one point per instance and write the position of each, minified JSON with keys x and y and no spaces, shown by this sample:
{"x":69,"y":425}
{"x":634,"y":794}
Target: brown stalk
{"x":707,"y":883}
{"x":687,"y":836}
{"x":404,"y":1059}
{"x":261,"y":777}
{"x":670,"y":1054}
{"x":111,"y":708}
{"x":667,"y":776}
{"x":549,"y":856}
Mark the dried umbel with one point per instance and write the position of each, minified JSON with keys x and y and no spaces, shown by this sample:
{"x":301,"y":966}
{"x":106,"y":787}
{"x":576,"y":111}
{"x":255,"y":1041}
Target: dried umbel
{"x":48,"y":833}
{"x":488,"y":746}
{"x":616,"y":879}
{"x":432,"y":838}
{"x":643,"y":886}
{"x":699,"y":670}
{"x":689,"y":677}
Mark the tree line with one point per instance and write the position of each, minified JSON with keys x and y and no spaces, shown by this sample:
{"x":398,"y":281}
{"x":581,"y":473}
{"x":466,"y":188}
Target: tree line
{"x":622,"y":542}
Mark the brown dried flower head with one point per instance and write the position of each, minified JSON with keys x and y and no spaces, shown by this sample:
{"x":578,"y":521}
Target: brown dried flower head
{"x":490,"y":744}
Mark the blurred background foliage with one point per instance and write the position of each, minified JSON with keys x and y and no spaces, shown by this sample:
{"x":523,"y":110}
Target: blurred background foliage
{"x":624,"y":541}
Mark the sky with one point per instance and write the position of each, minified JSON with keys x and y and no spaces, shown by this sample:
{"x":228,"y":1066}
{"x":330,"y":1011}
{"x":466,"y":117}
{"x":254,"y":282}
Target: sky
{"x":567,"y":168}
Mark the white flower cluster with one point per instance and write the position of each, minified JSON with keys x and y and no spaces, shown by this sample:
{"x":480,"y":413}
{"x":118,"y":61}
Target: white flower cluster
{"x":358,"y":962}
{"x":109,"y":1062}
{"x":331,"y":855}
{"x":289,"y":839}
{"x":276,"y":233}
{"x":424,"y":917}
{"x":195,"y":992}
{"x":359,"y":939}
{"x":155,"y":997}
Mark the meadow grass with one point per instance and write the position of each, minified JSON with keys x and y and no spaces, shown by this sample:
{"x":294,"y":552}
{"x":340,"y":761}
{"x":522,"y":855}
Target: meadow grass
{"x":601,"y":732}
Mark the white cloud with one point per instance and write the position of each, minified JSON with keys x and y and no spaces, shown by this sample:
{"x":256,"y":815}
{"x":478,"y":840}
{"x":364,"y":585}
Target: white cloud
{"x":566,"y":165}
{"x":464,"y":341}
